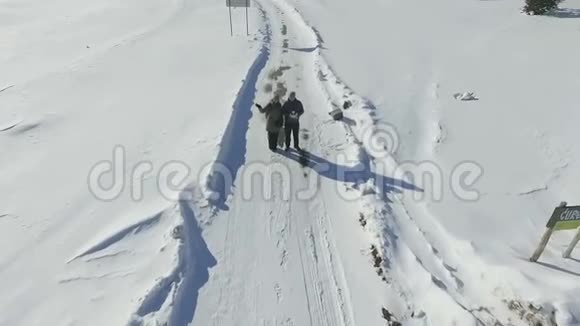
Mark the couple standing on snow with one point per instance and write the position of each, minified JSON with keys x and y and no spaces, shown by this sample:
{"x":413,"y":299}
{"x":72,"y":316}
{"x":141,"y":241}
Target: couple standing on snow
{"x":278,"y":115}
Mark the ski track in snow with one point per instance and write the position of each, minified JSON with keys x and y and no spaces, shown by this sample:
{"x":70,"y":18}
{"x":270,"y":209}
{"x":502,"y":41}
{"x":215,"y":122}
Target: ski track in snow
{"x":398,"y":225}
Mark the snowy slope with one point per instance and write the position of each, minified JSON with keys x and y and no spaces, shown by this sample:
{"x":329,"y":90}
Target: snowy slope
{"x":165,"y":82}
{"x":89,"y":76}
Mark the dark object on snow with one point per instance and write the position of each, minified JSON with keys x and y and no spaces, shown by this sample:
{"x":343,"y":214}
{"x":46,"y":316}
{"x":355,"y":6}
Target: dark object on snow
{"x":376,"y":257}
{"x":292,"y":110}
{"x":388,"y":316}
{"x":292,"y":130}
{"x":273,"y":140}
{"x":177,"y":232}
{"x":274,"y":114}
{"x":540,"y":7}
{"x":274,"y":120}
{"x":282,"y":137}
{"x":336,"y":114}
{"x":346,"y":105}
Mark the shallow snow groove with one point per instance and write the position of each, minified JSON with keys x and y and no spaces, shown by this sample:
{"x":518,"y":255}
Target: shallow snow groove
{"x":114,"y":238}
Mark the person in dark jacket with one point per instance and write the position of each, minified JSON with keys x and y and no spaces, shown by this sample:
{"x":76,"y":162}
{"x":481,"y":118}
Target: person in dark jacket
{"x":274,"y":120}
{"x":292,"y":109}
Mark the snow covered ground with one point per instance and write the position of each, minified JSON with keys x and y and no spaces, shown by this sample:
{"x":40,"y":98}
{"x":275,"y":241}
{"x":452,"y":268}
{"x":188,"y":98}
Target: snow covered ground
{"x":163,"y":85}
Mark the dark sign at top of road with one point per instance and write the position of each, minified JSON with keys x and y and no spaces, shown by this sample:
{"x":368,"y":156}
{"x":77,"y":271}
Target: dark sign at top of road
{"x":238,"y":3}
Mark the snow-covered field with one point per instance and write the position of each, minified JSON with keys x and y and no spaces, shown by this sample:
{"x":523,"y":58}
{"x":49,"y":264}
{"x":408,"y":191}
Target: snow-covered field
{"x":162,"y":87}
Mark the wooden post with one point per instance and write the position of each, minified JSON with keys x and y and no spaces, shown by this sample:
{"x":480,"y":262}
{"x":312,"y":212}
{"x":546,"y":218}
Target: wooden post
{"x":573,"y":244}
{"x":247,"y":24}
{"x":545,"y":239}
{"x":542,"y":246}
{"x":230,"y":9}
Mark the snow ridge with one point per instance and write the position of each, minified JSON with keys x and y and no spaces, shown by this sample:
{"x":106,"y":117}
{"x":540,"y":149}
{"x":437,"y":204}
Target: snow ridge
{"x":173,"y":299}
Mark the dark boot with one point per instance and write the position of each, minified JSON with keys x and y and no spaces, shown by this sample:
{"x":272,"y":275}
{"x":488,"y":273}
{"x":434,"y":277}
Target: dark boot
{"x":273,"y":141}
{"x":287,"y":131}
{"x":295,"y":135}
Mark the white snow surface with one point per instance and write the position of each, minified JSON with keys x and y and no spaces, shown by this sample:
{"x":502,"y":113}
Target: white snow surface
{"x":166,"y":84}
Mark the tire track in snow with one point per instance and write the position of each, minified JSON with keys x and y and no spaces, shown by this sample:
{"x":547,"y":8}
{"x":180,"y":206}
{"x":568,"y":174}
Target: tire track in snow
{"x":428,"y":260}
{"x":389,"y":238}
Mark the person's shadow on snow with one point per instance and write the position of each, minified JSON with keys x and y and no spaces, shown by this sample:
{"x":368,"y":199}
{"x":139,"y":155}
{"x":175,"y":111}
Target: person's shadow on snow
{"x":358,"y":174}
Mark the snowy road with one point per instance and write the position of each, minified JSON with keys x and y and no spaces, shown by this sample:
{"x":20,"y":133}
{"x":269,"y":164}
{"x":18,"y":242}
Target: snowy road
{"x":278,"y":258}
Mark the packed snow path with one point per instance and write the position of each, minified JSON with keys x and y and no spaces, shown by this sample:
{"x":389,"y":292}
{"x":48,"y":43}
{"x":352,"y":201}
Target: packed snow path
{"x":278,"y":258}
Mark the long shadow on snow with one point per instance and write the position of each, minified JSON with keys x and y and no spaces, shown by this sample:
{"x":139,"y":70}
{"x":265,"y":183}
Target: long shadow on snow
{"x":357,"y":174}
{"x":197,"y":261}
{"x":232,"y":153}
{"x":558,"y":268}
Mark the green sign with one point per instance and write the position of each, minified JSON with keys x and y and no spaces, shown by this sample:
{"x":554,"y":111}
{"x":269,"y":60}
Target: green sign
{"x":565,"y":218}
